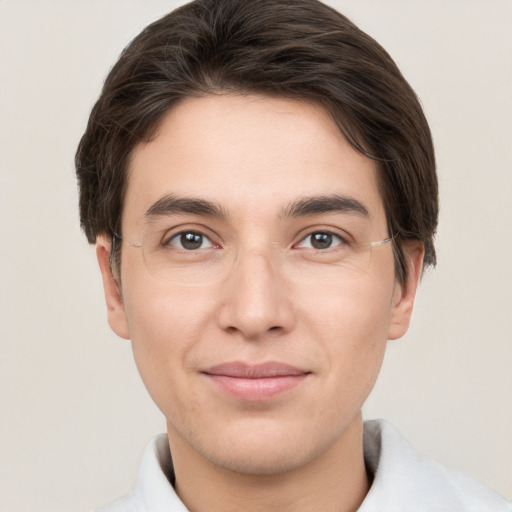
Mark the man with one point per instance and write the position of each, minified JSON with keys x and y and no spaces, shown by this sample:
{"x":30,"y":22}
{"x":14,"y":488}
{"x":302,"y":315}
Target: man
{"x":259,"y":180}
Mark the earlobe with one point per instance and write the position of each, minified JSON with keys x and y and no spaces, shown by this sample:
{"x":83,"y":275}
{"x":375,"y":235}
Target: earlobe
{"x":405,"y":293}
{"x":116,"y":313}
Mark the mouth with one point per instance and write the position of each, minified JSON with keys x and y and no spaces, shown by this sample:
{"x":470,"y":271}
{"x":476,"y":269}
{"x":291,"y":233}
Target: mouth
{"x":255,"y":383}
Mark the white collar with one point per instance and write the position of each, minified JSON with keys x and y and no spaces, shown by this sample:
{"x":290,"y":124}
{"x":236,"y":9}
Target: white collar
{"x":403,"y":480}
{"x":406,"y":481}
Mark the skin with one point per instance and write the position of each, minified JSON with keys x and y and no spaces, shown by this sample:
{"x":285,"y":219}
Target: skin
{"x":254,"y":156}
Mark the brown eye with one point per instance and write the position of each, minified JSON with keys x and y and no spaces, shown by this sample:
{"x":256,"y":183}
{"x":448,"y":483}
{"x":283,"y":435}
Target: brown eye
{"x":190,"y":241}
{"x":320,"y":240}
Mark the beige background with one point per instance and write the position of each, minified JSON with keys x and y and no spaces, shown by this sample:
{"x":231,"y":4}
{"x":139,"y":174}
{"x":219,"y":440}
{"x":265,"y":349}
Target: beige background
{"x":74,"y":416}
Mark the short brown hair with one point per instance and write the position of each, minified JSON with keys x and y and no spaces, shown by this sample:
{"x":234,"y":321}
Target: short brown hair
{"x":296,"y":49}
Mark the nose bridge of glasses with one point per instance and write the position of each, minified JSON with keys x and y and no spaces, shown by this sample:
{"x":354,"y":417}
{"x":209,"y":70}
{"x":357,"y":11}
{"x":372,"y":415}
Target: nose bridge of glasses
{"x":264,"y":257}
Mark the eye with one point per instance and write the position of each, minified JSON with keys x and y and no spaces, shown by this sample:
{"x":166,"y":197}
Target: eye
{"x":320,"y":240}
{"x":190,"y":241}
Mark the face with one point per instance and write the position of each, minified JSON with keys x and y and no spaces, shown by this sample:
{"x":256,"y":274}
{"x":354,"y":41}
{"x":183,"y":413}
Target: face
{"x":257,"y":307}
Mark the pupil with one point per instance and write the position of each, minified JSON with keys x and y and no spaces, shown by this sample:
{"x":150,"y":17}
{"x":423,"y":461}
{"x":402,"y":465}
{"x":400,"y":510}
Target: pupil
{"x":191,"y":241}
{"x":321,"y":240}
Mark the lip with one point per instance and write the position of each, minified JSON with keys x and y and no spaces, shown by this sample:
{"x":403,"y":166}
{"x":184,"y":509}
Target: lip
{"x":255,"y":382}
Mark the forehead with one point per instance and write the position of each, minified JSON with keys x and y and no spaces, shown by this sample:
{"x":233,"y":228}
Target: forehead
{"x":250,"y":154}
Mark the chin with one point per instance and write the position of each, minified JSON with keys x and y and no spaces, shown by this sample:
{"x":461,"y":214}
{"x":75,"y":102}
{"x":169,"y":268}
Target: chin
{"x":264,"y":448}
{"x":254,"y":460}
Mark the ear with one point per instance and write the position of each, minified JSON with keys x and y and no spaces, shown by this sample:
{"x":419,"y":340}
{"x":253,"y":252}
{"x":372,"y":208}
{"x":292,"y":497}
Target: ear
{"x":116,"y":313}
{"x":404,"y":294}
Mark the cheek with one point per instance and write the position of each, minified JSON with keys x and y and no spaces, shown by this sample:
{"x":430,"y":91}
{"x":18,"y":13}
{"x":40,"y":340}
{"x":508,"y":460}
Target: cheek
{"x":165,"y":326}
{"x":357,"y":313}
{"x":351,"y":324}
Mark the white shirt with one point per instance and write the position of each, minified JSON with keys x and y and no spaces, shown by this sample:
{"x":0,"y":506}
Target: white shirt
{"x":403,"y":480}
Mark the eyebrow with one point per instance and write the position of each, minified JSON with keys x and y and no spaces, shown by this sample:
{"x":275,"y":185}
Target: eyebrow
{"x":306,"y":206}
{"x":171,"y":204}
{"x":317,"y":205}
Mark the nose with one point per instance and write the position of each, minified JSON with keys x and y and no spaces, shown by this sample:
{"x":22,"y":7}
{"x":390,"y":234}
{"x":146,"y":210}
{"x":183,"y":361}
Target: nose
{"x":255,"y":299}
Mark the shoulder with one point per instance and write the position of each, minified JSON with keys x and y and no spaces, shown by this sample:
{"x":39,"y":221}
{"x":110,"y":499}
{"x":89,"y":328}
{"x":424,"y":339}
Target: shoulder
{"x":406,"y":480}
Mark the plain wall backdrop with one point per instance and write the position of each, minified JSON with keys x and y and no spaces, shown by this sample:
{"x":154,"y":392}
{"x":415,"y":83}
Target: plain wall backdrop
{"x":75,"y":416}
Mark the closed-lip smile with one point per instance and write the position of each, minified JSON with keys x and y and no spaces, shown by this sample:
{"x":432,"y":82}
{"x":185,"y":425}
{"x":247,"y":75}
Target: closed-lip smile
{"x":255,"y":382}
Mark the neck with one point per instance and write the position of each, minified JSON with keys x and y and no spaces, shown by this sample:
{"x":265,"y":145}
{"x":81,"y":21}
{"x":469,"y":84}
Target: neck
{"x":335,"y":481}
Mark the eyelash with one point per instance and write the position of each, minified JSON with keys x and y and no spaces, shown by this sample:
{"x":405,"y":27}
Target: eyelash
{"x":168,"y":241}
{"x":334,"y":236}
